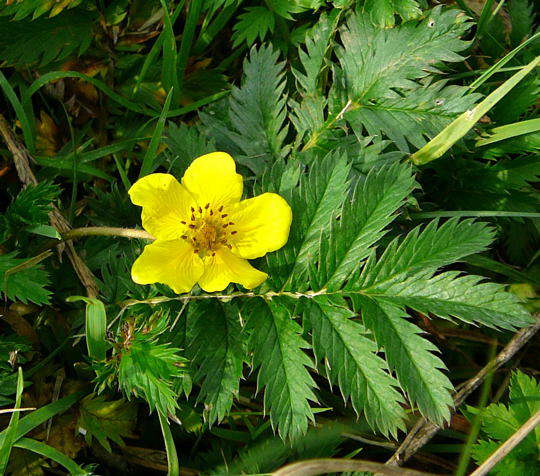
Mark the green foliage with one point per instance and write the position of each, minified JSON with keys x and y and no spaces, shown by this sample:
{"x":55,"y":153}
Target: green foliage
{"x":500,"y":422}
{"x":217,"y":363}
{"x":106,"y":420}
{"x":370,"y":309}
{"x":22,"y":281}
{"x":257,"y":111}
{"x":254,"y":23}
{"x":383,"y":12}
{"x":352,"y":363}
{"x":41,"y":41}
{"x":29,"y":209}
{"x":277,"y":348}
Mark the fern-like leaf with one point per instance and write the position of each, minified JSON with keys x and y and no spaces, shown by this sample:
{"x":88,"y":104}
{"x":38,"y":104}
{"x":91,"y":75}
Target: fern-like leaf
{"x":45,"y":40}
{"x":215,"y":348}
{"x":314,"y":203}
{"x":410,"y":356}
{"x":383,"y":12}
{"x":362,"y":223}
{"x":353,"y":365}
{"x":277,"y":345}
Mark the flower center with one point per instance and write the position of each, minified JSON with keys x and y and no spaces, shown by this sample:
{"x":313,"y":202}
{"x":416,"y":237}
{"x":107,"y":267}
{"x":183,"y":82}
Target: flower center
{"x":208,"y":230}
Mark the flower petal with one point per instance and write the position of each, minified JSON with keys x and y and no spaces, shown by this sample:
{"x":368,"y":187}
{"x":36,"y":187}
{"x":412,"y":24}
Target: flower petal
{"x":262,"y":225}
{"x":169,"y":262}
{"x":225,"y":268}
{"x":165,"y":204}
{"x":212,"y":178}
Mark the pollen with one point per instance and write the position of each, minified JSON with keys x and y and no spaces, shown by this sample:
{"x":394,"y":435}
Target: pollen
{"x":207,"y":231}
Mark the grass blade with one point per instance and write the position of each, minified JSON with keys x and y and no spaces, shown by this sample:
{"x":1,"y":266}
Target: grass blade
{"x":169,"y":72}
{"x":26,"y":124}
{"x":437,"y":146}
{"x":510,"y":130}
{"x":172,"y":456}
{"x":41,"y":415}
{"x":188,"y":35}
{"x":96,"y":326}
{"x":475,"y":213}
{"x":11,"y":431}
{"x":51,"y":453}
{"x":148,"y":159}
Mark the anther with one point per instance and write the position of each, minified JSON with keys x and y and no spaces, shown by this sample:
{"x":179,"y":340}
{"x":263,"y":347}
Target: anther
{"x":229,"y":246}
{"x":234,"y":232}
{"x":224,"y":215}
{"x":231,"y":223}
{"x":195,"y":251}
{"x":226,"y":225}
{"x":211,"y":212}
{"x":206,"y":206}
{"x":200,"y":210}
{"x":220,"y":209}
{"x":192,"y":210}
{"x":192,"y":226}
{"x":214,"y":253}
{"x":183,"y":222}
{"x":184,"y":237}
{"x":192,"y":217}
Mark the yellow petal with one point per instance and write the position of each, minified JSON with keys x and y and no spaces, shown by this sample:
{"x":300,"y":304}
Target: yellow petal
{"x":165,"y":204}
{"x":212,"y":178}
{"x":169,"y":262}
{"x":262,"y":225}
{"x":225,"y":268}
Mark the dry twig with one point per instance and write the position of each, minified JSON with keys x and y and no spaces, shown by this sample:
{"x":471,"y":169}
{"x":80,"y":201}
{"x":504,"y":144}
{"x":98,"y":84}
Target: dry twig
{"x":508,"y":445}
{"x":22,"y":159}
{"x":424,"y":430}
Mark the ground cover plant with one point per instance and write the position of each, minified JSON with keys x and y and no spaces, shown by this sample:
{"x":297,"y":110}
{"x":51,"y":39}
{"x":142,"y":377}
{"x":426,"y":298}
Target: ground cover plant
{"x":238,"y":235}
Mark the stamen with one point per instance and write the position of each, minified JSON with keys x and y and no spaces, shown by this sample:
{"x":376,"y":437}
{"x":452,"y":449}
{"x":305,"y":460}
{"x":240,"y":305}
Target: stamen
{"x":214,"y":253}
{"x":234,"y":232}
{"x":224,"y":215}
{"x":231,"y":223}
{"x":229,"y":246}
{"x":206,"y":206}
{"x":192,"y":209}
{"x":195,"y":251}
{"x":183,"y":222}
{"x":184,"y":237}
{"x":226,"y":225}
{"x":211,"y":212}
{"x":220,"y":209}
{"x":200,"y":210}
{"x":192,"y":217}
{"x":192,"y":226}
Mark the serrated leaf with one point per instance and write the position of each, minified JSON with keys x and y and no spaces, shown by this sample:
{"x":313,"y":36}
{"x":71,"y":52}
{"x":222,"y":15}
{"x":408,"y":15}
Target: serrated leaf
{"x":363,"y":219}
{"x":412,"y":118}
{"x":423,"y":250}
{"x":26,"y":285}
{"x":45,"y":40}
{"x":253,"y":23}
{"x":465,"y":297}
{"x":106,"y":420}
{"x":411,"y":356}
{"x":277,"y":346}
{"x":312,"y":57}
{"x":313,"y":203}
{"x":256,"y":114}
{"x":352,"y":363}
{"x":216,"y":350}
{"x":376,"y":60}
{"x":383,"y":12}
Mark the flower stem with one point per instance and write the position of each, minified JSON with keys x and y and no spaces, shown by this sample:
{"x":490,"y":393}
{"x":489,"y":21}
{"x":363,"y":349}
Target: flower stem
{"x":106,"y":231}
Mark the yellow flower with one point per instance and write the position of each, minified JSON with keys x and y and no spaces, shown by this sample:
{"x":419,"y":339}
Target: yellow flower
{"x":204,"y":233}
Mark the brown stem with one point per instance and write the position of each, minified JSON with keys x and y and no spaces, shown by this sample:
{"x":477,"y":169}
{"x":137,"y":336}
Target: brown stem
{"x":313,"y":467}
{"x":508,"y":445}
{"x":424,"y":430}
{"x":22,"y":160}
